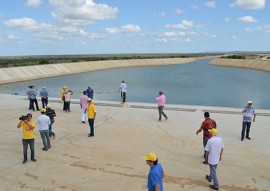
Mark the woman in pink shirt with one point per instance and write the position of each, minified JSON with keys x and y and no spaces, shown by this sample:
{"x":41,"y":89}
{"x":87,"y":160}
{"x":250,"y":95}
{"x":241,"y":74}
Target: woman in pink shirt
{"x":161,"y":100}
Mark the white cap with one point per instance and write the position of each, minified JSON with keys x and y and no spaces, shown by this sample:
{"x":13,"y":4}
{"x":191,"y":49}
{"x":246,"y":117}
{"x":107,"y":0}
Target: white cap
{"x":249,"y":102}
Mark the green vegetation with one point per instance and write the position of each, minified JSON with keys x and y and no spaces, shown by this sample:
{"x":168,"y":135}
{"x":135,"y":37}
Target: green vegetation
{"x":39,"y":60}
{"x":234,"y":56}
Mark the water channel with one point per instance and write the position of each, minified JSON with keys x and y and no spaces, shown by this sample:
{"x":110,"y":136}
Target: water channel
{"x":196,"y":83}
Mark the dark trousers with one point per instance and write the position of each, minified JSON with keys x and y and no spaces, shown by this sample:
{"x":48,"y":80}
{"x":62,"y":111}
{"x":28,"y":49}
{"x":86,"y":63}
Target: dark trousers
{"x":32,"y":101}
{"x":44,"y":102}
{"x":204,"y":144}
{"x":161,"y":112}
{"x":91,"y":124}
{"x":25,"y":143}
{"x":123,"y":96}
{"x":245,"y":127}
{"x":67,"y":106}
{"x":30,"y":105}
{"x":51,"y":133}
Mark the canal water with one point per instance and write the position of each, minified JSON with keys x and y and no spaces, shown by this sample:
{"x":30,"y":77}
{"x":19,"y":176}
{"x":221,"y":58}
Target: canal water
{"x":195,"y":83}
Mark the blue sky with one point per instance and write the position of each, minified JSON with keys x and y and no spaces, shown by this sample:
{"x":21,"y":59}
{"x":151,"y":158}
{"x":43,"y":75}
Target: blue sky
{"x":56,"y":27}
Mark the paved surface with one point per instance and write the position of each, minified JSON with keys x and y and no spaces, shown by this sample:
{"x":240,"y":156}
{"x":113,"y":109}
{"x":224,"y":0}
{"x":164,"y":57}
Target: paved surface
{"x":112,"y":160}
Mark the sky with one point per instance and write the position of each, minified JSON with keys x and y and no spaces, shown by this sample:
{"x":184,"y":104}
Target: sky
{"x":64,"y":27}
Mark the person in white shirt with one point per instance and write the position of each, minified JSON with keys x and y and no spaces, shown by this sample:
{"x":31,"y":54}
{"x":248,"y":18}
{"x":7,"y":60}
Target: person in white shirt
{"x":123,"y":90}
{"x":44,"y":122}
{"x":214,"y":150}
{"x":67,"y":95}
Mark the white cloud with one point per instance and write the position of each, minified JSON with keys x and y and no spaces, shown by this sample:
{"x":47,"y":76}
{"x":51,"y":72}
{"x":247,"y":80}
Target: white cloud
{"x":163,"y":40}
{"x":249,"y":4}
{"x":170,"y":34}
{"x":210,"y":4}
{"x":227,"y":19}
{"x":181,"y":40}
{"x":265,"y":28}
{"x":124,"y":29}
{"x":195,"y":7}
{"x":81,"y":12}
{"x":33,"y":3}
{"x":178,"y":11}
{"x":48,"y":31}
{"x":185,"y":24}
{"x":247,"y":19}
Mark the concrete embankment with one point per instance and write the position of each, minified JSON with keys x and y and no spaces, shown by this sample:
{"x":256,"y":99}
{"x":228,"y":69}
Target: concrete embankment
{"x":17,"y":74}
{"x":252,"y":64}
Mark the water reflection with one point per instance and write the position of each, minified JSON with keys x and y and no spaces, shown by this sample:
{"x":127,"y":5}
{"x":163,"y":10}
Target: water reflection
{"x":196,"y":83}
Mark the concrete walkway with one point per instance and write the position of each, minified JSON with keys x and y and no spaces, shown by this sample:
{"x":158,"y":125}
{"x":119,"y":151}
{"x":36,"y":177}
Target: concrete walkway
{"x":112,"y":160}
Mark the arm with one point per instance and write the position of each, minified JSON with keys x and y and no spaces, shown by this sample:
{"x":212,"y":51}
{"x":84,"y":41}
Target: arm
{"x":221,"y":154}
{"x":95,"y":113}
{"x":157,"y":187}
{"x":199,"y":130}
{"x":206,"y":156}
{"x":254,"y":117}
{"x":30,"y":126}
{"x":19,"y":124}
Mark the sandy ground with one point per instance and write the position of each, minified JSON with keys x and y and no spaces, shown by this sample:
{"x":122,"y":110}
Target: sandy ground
{"x":112,"y":160}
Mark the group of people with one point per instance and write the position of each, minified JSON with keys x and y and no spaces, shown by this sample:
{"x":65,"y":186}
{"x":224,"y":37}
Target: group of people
{"x":213,"y":149}
{"x":212,"y":144}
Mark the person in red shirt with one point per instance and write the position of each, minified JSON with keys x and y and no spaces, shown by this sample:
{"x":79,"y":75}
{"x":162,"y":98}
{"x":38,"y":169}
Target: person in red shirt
{"x":207,"y":124}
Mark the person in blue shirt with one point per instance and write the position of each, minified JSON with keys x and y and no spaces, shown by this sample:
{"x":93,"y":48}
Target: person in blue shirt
{"x":248,"y":112}
{"x":90,"y":92}
{"x":155,"y":174}
{"x":44,"y":97}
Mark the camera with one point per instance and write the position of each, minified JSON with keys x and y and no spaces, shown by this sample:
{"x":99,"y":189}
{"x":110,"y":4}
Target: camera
{"x":23,"y":117}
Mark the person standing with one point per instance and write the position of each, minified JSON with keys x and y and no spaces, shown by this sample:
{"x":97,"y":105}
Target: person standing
{"x":84,"y":104}
{"x":28,"y":127}
{"x":248,"y":112}
{"x":156,"y":174}
{"x":51,"y":114}
{"x":161,"y":100}
{"x":44,"y":122}
{"x":91,"y":110}
{"x":90,"y":92}
{"x":63,"y":96}
{"x":207,"y":124}
{"x":68,"y":94}
{"x":123,"y":90}
{"x":28,"y":96}
{"x":44,"y":97}
{"x":33,"y":99}
{"x":214,"y":150}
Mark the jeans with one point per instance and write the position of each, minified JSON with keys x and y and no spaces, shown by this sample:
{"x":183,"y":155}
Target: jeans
{"x":123,"y":96}
{"x":245,"y":127}
{"x":213,"y":175}
{"x":204,"y":144}
{"x":67,"y":105}
{"x":44,"y":102}
{"x":30,"y":105}
{"x":91,"y":124}
{"x":32,"y":101}
{"x":25,"y":143}
{"x":51,"y":133}
{"x":45,"y":138}
{"x":160,"y":111}
{"x":84,"y":115}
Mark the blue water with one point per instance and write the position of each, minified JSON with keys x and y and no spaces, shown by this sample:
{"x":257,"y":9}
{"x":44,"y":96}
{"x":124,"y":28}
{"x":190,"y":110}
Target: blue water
{"x":196,"y":83}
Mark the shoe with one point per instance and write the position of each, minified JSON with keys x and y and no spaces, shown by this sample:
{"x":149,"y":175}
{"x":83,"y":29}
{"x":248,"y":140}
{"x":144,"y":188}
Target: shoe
{"x":90,"y":135}
{"x":248,"y":138}
{"x":213,"y":187}
{"x":83,"y":122}
{"x":166,"y":118}
{"x":24,"y":161}
{"x":159,"y":120}
{"x":205,"y":162}
{"x":38,"y":109}
{"x":49,"y":147}
{"x":34,"y":160}
{"x":242,"y":139}
{"x":44,"y":149}
{"x":207,"y":177}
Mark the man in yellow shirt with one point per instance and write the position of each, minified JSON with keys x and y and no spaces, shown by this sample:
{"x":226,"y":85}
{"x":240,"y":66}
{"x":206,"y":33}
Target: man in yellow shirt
{"x":28,"y":127}
{"x":91,"y":109}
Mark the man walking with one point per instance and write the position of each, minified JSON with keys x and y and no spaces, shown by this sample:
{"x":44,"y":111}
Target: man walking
{"x":248,"y":111}
{"x":91,"y":109}
{"x":161,"y":100}
{"x":123,"y":90}
{"x":207,"y":124}
{"x":28,"y":127}
{"x":44,"y":122}
{"x":51,"y":114}
{"x":84,"y":104}
{"x":44,"y":97}
{"x":214,"y":150}
{"x":155,"y":174}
